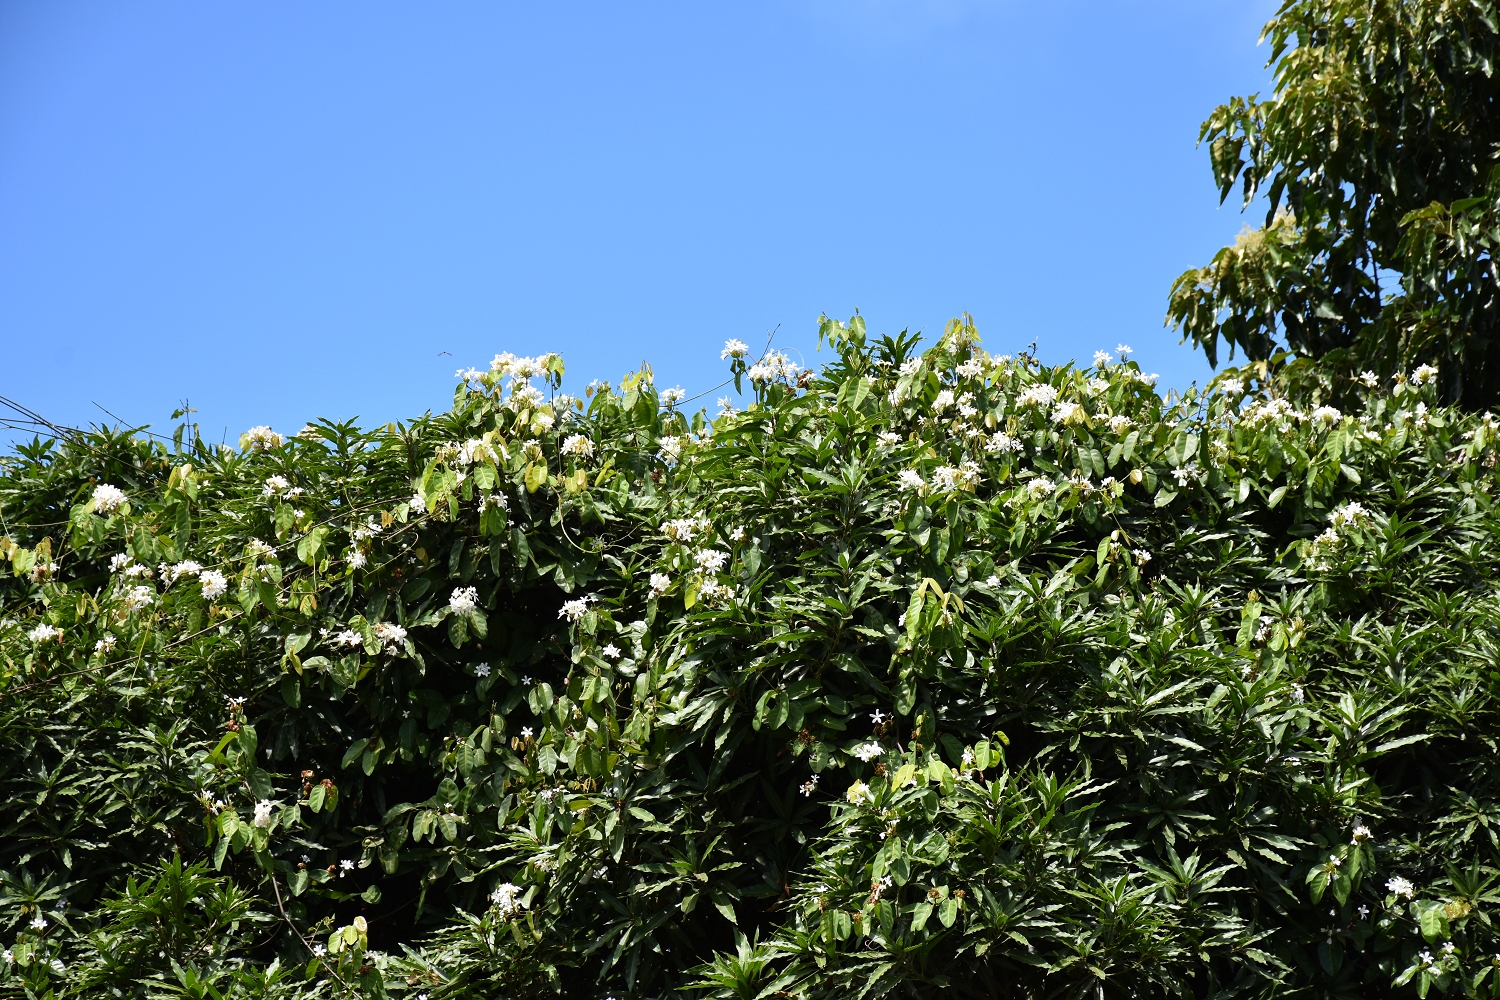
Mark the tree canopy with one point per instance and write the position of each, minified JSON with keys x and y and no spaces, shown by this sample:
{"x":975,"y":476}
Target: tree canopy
{"x":1376,"y":159}
{"x":927,"y":673}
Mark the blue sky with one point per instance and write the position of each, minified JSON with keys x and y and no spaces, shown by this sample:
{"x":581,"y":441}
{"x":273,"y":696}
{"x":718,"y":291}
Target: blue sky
{"x":286,"y":211}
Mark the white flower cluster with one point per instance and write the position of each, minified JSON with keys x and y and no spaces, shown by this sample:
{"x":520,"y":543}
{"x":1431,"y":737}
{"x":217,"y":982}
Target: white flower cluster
{"x":734,"y":349}
{"x":869,"y":751}
{"x":214,"y":584}
{"x":1040,"y":394}
{"x":671,"y":397}
{"x":508,"y":365}
{"x":710,"y":560}
{"x":261,"y":438}
{"x":390,"y":636}
{"x":507,"y":900}
{"x":42,"y":633}
{"x":524,"y":396}
{"x":1001,"y":443}
{"x":464,"y":600}
{"x":1344,"y":519}
{"x":972,"y":368}
{"x":108,"y":498}
{"x":671,"y":447}
{"x":911,"y":480}
{"x":578,"y":444}
{"x":1327,"y":416}
{"x":1277,"y":412}
{"x":574,"y":610}
{"x":1423,"y":375}
{"x":1067,"y":413}
{"x":660,"y":584}
{"x":685,"y":529}
{"x":953,"y":479}
{"x":137,"y":598}
{"x":774,"y":366}
{"x":171,"y":574}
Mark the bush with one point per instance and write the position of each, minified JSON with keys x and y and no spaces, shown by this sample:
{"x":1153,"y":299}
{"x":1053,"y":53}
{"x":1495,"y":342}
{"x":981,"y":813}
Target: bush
{"x":926,"y":672}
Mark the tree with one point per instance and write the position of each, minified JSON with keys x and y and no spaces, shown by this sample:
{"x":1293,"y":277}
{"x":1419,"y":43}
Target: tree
{"x":930,"y":673}
{"x":1377,"y":159}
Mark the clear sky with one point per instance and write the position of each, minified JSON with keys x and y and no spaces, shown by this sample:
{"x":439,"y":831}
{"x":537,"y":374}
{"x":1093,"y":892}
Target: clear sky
{"x":281,"y":211}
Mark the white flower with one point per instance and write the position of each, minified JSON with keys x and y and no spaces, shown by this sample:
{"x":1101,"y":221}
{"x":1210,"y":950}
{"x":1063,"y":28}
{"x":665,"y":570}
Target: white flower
{"x":1353,"y":513}
{"x":1124,"y":350}
{"x":1065,"y":412}
{"x":1041,"y":394}
{"x":911,"y":479}
{"x":1425,"y":957}
{"x":42,"y":633}
{"x":1102,"y":359}
{"x":1119,"y":423}
{"x":105,"y":644}
{"x":507,"y":899}
{"x":1327,"y":415}
{"x":734,"y":349}
{"x":275,"y":486}
{"x":390,"y":635}
{"x":319,"y":950}
{"x":909,"y":367}
{"x":526,"y":732}
{"x":992,"y":581}
{"x":888,"y":438}
{"x":263,"y":813}
{"x":348,"y":637}
{"x":1335,"y":861}
{"x":1424,"y":374}
{"x":738,"y":534}
{"x":682,"y":529}
{"x":1400,"y":887}
{"x":671,"y":447}
{"x":346,"y":865}
{"x":7,"y":956}
{"x":948,"y":479}
{"x":119,"y":561}
{"x":710,"y":560}
{"x":869,"y":752}
{"x":213,"y":583}
{"x":138,"y":597}
{"x":1370,"y":379}
{"x":610,"y":652}
{"x":171,"y":574}
{"x":1359,"y":834}
{"x":39,"y":923}
{"x":573,"y":610}
{"x":1040,"y":487}
{"x":660,"y":583}
{"x":417,"y":503}
{"x":1184,"y":476}
{"x":878,"y":717}
{"x":943,"y":401}
{"x":1449,"y":947}
{"x":481,"y":670}
{"x":108,"y":498}
{"x":671,"y":397}
{"x":1142,"y":557}
{"x":260,"y":438}
{"x":971,"y":368}
{"x":358,"y":560}
{"x":464,"y":600}
{"x":1097,"y":386}
{"x":234,"y":705}
{"x":578,"y":444}
{"x":258,"y":549}
{"x":493,"y":500}
{"x":726,"y":408}
{"x":1003,"y":443}
{"x":859,"y":792}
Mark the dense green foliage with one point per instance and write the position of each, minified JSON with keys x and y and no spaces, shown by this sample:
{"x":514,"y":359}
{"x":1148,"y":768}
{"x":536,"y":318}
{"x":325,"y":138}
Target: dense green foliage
{"x":926,"y":673}
{"x":1377,"y":157}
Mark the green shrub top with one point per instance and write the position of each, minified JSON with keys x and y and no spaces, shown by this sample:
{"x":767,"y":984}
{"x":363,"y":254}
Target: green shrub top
{"x":924,"y":672}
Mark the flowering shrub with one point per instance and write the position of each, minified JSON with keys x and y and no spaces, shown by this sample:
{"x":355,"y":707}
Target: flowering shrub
{"x":926,"y":670}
